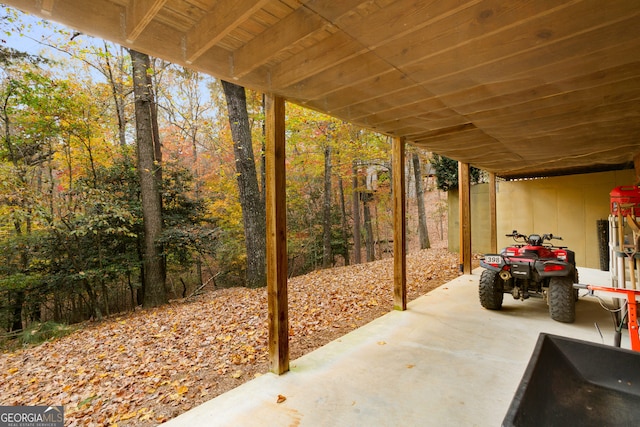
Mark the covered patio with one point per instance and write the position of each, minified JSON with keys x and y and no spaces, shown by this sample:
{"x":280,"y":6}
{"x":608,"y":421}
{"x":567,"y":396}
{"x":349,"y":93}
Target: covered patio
{"x":444,"y":362}
{"x":520,"y":89}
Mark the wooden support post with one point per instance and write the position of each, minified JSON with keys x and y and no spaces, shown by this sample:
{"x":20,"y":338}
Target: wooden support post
{"x":399,"y":227}
{"x":276,"y":235}
{"x":464,"y":193}
{"x":493,"y":217}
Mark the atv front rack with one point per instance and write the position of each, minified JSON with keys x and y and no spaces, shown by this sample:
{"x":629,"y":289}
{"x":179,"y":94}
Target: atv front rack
{"x":632,"y":297}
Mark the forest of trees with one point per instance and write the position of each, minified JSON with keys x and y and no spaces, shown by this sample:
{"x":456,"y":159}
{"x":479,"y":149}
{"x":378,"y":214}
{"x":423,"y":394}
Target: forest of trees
{"x":126,"y":180}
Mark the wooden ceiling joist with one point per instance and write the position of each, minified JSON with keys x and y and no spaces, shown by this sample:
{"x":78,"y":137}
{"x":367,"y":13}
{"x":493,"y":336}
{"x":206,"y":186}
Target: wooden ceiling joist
{"x":296,"y":27}
{"x":217,"y":24}
{"x":341,"y":78}
{"x":46,"y":7}
{"x":335,"y":49}
{"x":386,"y":111}
{"x":456,"y":74}
{"x":139,"y":15}
{"x":378,"y":85}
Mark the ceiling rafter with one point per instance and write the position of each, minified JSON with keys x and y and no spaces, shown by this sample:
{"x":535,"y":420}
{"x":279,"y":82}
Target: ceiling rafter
{"x":139,"y":14}
{"x":586,"y":92}
{"x":336,"y":49}
{"x":217,"y":24}
{"x":294,"y":28}
{"x":46,"y":6}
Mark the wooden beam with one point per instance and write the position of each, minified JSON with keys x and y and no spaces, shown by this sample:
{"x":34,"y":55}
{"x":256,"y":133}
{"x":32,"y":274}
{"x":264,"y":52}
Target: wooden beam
{"x":217,"y":24}
{"x":46,"y":7}
{"x":493,"y":217}
{"x":139,"y":15}
{"x":464,"y":190}
{"x":333,"y":51}
{"x":399,"y":226}
{"x":636,"y":166}
{"x":294,"y":28}
{"x":276,"y":235}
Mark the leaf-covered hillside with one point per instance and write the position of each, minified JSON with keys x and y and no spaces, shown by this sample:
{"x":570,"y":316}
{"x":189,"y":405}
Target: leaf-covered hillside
{"x":146,"y":367}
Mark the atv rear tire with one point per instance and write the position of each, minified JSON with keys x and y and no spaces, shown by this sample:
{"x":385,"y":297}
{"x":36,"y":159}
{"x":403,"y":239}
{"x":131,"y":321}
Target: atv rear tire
{"x":491,"y":290}
{"x":562,"y":302}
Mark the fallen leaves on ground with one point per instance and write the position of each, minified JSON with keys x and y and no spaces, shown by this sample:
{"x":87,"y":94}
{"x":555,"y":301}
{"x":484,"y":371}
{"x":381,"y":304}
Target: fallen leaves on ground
{"x":146,"y":367}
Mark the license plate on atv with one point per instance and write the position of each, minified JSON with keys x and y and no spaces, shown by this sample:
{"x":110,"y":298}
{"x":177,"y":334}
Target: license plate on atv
{"x":493,"y":259}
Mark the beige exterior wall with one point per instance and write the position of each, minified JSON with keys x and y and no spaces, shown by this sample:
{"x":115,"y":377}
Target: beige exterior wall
{"x":567,"y":206}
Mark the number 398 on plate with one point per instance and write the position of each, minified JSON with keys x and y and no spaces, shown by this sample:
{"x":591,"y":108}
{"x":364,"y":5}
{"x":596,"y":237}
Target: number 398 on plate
{"x":493,"y":259}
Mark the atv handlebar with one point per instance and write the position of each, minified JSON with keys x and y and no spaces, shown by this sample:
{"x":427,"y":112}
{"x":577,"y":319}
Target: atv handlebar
{"x":550,"y":236}
{"x":527,"y":239}
{"x":516,"y":235}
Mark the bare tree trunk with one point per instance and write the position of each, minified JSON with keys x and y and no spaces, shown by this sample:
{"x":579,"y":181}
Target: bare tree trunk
{"x":327,"y":255}
{"x":149,"y":169}
{"x":132,"y":292}
{"x":93,"y":300}
{"x":422,"y":215}
{"x":368,"y":228}
{"x":357,"y":245}
{"x":117,"y":92}
{"x":15,"y":323}
{"x":253,"y":209}
{"x":345,"y":230}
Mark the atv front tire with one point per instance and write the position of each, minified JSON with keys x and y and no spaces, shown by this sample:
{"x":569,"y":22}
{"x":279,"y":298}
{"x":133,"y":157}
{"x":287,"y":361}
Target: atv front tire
{"x":491,"y":290}
{"x":562,"y":302}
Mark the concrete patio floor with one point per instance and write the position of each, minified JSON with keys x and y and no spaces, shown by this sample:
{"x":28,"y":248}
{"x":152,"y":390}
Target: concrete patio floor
{"x":445,"y":361}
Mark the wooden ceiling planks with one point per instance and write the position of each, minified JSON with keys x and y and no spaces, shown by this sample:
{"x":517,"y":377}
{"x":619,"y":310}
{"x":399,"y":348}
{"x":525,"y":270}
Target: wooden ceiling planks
{"x":563,"y":107}
{"x":466,"y":78}
{"x":185,"y":12}
{"x":295,"y":27}
{"x":333,"y":50}
{"x":502,"y":97}
{"x":486,"y":70}
{"x":330,"y":84}
{"x":380,"y":84}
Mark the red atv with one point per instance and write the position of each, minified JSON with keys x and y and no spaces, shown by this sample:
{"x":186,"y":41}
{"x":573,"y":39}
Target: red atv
{"x":532,"y":268}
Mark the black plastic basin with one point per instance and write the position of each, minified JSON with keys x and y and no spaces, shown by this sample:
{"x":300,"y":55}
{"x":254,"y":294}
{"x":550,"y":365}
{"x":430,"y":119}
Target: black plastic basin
{"x":570,"y":382}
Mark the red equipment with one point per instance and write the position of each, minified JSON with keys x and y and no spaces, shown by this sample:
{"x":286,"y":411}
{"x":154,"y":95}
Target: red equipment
{"x":632,"y":307}
{"x":625,"y":200}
